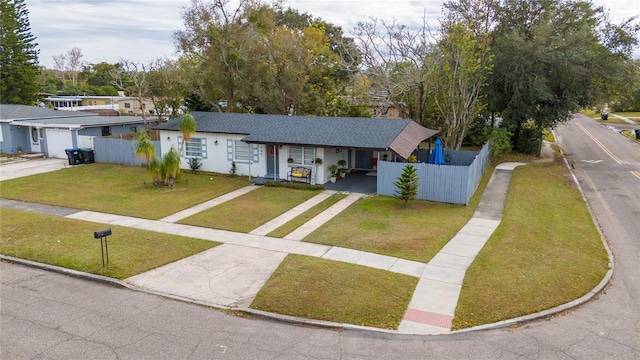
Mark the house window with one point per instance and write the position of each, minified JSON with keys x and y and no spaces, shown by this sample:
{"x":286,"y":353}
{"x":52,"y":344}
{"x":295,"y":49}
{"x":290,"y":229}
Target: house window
{"x":302,"y":155}
{"x":133,"y":129}
{"x":127,"y":105}
{"x":242,"y":151}
{"x":106,"y":130}
{"x":89,"y":102}
{"x":195,"y":148}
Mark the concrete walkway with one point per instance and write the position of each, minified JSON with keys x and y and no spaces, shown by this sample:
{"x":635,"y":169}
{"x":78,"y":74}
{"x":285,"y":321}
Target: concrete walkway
{"x":628,"y":121}
{"x":291,"y":214}
{"x":209,"y":204}
{"x":319,"y":220}
{"x":434,"y":301}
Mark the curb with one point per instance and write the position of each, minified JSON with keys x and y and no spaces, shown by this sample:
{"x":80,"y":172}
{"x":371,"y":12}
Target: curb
{"x":65,"y":271}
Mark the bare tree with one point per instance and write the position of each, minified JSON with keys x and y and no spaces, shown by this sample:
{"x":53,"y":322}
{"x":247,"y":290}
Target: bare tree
{"x":137,"y":73}
{"x":60,"y":65}
{"x":74,"y":64}
{"x":396,"y":63}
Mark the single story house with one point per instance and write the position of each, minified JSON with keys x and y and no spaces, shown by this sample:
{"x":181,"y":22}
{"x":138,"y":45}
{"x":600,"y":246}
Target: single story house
{"x":125,"y":105}
{"x":42,"y":130}
{"x":270,"y":146}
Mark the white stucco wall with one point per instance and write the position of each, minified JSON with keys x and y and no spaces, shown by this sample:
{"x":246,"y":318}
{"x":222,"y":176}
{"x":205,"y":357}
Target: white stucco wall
{"x":216,"y":153}
{"x":217,"y":160}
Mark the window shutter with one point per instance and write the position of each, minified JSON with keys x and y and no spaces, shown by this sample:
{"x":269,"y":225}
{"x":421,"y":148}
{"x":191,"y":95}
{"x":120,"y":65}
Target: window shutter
{"x":182,"y":153}
{"x":204,"y":147}
{"x":254,"y":148}
{"x":229,"y":150}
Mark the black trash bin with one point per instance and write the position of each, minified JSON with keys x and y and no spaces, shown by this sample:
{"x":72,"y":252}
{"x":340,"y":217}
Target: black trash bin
{"x":637,"y":134}
{"x":74,"y":156}
{"x":604,"y":116}
{"x":87,"y":155}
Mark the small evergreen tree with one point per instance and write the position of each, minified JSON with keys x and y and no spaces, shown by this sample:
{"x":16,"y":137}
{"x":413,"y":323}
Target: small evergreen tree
{"x":19,"y":70}
{"x":234,"y":169}
{"x":407,"y":184}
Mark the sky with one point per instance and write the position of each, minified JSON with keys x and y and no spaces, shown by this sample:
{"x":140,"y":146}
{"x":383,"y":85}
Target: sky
{"x":142,"y":30}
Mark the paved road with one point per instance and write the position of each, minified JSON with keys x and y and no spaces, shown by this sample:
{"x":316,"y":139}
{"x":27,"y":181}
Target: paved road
{"x":47,"y":315}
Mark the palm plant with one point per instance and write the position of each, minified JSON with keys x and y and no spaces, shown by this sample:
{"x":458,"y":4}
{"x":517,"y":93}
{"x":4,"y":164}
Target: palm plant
{"x":187,"y":128}
{"x":156,"y":170}
{"x":171,"y":162}
{"x":145,"y":148}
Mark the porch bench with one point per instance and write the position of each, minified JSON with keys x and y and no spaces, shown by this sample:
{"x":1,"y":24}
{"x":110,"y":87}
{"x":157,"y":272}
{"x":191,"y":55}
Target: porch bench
{"x":299,"y":174}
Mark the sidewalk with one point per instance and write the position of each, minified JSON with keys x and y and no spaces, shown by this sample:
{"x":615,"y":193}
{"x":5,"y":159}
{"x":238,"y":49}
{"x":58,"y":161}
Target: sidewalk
{"x":230,"y":275}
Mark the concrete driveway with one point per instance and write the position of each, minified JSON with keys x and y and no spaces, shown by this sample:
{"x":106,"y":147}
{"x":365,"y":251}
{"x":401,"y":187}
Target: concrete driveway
{"x":16,"y":169}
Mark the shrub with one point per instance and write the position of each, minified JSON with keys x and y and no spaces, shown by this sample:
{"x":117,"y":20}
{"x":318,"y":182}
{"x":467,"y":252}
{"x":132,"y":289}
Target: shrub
{"x":195,"y":164}
{"x":294,"y":185}
{"x":234,"y":169}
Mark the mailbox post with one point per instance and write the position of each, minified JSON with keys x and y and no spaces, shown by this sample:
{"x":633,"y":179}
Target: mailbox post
{"x":104,"y":249}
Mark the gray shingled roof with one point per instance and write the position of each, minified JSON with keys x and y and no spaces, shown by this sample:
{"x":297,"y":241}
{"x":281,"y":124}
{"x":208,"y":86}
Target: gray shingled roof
{"x":10,"y":112}
{"x":363,"y":133}
{"x":45,"y":117}
{"x":81,"y":121}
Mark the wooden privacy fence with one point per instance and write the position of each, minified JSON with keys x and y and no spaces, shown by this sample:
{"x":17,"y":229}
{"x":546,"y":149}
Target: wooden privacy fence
{"x":453,"y":184}
{"x":118,"y":151}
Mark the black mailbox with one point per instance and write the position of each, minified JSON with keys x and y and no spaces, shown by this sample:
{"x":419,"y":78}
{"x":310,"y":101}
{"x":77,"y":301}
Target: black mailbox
{"x":102,"y":233}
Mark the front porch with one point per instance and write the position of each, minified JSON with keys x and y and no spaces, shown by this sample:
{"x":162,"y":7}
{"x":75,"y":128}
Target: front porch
{"x":364,"y":182}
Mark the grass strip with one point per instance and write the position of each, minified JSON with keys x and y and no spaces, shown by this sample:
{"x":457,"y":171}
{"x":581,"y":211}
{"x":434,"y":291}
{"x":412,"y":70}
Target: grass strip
{"x":70,"y":244}
{"x":299,"y":220}
{"x":327,"y":290}
{"x":117,"y":189}
{"x":250,"y":210}
{"x":546,"y":251}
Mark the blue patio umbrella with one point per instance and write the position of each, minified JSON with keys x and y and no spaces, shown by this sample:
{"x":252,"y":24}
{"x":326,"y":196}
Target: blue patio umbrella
{"x":437,"y":156}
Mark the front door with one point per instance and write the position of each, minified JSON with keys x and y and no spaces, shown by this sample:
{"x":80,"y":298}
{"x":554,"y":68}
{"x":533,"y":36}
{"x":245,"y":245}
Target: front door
{"x":364,"y":160}
{"x":35,"y":140}
{"x":272,"y":162}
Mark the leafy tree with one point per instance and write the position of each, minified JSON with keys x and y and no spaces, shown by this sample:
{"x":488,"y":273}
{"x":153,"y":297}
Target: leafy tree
{"x":499,"y":138}
{"x":220,"y":36}
{"x":19,"y":68}
{"x":168,"y":86}
{"x":550,"y":60}
{"x":262,"y":59}
{"x":407,"y":184}
{"x":458,"y":73}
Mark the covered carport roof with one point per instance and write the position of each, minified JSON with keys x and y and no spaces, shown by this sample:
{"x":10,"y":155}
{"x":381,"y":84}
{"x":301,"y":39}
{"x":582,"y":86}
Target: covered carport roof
{"x":401,"y":136}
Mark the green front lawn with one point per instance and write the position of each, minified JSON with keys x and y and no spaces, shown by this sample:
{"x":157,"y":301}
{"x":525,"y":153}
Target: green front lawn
{"x":117,"y":189}
{"x":251,"y":210}
{"x":70,"y":244}
{"x":546,"y":251}
{"x":380,"y":224}
{"x":322,"y":289}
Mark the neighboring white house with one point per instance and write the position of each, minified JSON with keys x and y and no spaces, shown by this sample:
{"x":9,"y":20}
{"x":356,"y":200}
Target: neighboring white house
{"x":270,"y":145}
